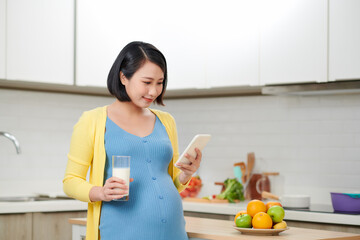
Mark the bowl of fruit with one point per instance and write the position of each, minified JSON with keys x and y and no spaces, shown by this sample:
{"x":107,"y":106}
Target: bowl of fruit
{"x":193,"y":188}
{"x":261,"y":219}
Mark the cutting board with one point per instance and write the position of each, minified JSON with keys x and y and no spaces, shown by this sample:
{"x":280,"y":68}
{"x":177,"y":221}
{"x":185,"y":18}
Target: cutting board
{"x":203,"y":200}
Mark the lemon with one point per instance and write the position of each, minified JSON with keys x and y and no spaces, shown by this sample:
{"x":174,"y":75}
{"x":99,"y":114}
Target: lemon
{"x":280,"y":225}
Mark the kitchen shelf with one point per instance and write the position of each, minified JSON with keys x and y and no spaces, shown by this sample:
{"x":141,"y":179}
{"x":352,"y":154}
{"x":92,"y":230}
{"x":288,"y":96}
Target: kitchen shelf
{"x":337,"y":87}
{"x":101,"y":91}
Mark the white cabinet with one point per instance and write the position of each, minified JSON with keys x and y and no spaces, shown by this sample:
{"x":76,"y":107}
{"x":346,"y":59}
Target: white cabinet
{"x":232,"y":43}
{"x":293,"y":42}
{"x":78,"y":232}
{"x":40,"y":41}
{"x":209,"y":44}
{"x":102,"y":30}
{"x":179,"y":32}
{"x":344,"y":39}
{"x":206,"y":43}
{"x":2,"y":39}
{"x":105,"y":27}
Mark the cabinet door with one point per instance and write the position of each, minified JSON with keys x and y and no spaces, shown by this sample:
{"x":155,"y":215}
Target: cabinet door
{"x":16,"y":226}
{"x":54,"y":225}
{"x":40,"y":40}
{"x":105,"y":27}
{"x":344,"y":39}
{"x":2,"y":38}
{"x":293,"y":42}
{"x":179,"y":32}
{"x":102,"y":30}
{"x":232,"y":43}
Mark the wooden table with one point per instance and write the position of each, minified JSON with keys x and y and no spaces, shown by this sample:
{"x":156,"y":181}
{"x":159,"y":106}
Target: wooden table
{"x":204,"y":228}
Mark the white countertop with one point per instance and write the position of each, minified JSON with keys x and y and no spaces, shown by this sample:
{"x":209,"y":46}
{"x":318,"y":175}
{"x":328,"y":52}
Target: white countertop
{"x":233,"y":208}
{"x":42,"y":206}
{"x":215,"y":208}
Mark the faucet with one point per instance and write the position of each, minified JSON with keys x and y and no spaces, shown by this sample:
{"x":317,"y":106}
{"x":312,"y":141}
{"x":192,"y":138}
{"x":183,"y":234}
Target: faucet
{"x":13,"y":139}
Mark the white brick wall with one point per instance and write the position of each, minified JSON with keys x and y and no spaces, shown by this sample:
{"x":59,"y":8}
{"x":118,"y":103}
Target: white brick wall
{"x":313,"y":141}
{"x":42,"y":122}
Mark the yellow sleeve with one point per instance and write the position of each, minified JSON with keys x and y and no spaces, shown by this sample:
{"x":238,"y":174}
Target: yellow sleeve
{"x":79,"y":160}
{"x":174,"y":171}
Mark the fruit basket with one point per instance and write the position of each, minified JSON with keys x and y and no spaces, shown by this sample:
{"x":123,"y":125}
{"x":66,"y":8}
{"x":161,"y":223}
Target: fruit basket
{"x":261,"y":219}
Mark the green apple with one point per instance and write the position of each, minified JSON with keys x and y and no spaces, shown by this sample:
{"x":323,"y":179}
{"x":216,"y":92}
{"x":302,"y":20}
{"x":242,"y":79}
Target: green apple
{"x":243,"y":221}
{"x":276,"y":213}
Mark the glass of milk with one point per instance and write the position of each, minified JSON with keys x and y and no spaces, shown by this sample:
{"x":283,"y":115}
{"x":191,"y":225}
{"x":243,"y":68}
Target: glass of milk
{"x":121,"y":169}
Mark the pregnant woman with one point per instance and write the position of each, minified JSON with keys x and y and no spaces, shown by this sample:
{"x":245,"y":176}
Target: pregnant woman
{"x":128,"y":127}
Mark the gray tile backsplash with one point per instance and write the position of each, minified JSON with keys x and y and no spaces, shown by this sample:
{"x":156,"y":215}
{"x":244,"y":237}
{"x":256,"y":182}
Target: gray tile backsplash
{"x":313,"y":141}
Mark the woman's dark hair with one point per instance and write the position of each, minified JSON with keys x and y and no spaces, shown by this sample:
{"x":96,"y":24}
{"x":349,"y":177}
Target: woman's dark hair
{"x":129,"y":60}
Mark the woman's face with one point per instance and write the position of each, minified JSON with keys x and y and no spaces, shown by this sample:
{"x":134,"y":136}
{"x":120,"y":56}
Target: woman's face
{"x":145,"y":85}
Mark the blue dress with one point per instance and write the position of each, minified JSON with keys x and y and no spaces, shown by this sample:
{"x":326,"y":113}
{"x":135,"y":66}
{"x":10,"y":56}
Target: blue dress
{"x":154,"y":209}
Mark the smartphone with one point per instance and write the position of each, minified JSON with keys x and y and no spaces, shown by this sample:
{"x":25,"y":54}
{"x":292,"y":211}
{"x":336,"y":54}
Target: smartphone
{"x":199,"y":141}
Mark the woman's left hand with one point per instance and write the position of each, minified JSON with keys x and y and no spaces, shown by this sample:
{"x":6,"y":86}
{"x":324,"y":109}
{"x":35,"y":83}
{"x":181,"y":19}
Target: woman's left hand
{"x":187,"y":170}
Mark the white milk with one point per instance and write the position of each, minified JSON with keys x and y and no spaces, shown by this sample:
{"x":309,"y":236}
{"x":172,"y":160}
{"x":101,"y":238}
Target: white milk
{"x":122,"y":173}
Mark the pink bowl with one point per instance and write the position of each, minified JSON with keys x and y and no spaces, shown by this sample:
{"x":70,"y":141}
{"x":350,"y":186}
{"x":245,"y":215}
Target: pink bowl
{"x":343,"y":203}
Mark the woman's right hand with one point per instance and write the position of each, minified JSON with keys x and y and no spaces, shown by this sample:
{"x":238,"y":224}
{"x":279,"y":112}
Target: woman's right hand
{"x":114,"y":188}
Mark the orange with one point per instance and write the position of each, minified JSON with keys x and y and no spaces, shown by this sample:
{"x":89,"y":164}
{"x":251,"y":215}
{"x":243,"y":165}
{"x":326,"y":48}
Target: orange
{"x":270,"y":204}
{"x":262,"y":220}
{"x":238,"y":214}
{"x":255,"y":206}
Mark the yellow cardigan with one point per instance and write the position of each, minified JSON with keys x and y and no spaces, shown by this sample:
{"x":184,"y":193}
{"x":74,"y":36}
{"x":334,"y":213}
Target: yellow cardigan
{"x":87,"y":150}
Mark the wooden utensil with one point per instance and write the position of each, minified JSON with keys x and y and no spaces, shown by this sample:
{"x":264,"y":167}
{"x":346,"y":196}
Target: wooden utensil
{"x":265,"y":194}
{"x":221,"y":184}
{"x":243,"y":171}
{"x":250,"y":164}
{"x":270,"y":173}
{"x":249,"y":168}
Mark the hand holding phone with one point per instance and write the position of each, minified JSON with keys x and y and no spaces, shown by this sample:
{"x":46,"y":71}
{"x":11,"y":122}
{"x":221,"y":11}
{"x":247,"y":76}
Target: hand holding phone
{"x":199,"y":141}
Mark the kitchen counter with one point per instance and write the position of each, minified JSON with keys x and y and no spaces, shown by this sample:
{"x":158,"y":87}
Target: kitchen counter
{"x":213,"y":208}
{"x":203,"y":228}
{"x":42,"y":206}
{"x":233,"y":208}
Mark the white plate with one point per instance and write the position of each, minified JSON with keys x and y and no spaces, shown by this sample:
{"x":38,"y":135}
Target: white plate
{"x":263,"y":232}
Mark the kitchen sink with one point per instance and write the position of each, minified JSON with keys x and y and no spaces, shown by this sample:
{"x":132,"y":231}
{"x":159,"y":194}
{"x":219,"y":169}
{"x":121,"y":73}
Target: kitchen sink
{"x":30,"y":199}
